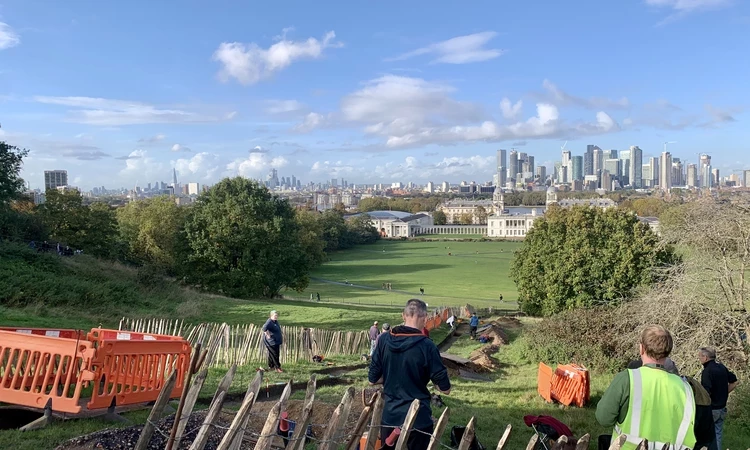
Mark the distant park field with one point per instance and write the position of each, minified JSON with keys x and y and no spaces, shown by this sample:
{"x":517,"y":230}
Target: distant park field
{"x":451,"y":273}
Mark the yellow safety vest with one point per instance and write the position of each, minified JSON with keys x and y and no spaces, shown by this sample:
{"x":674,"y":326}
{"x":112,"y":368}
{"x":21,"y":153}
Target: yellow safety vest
{"x":661,"y":409}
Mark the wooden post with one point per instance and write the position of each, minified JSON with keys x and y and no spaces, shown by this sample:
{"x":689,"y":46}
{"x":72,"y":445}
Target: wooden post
{"x":252,"y":389}
{"x":618,"y":443}
{"x":411,"y":417}
{"x":583,"y":443}
{"x":506,"y":435}
{"x":561,"y":443}
{"x":269,"y":428}
{"x":468,"y":436}
{"x":161,"y":402}
{"x":185,"y":388}
{"x":535,"y":438}
{"x":437,"y":435}
{"x":359,"y":428}
{"x":300,"y":431}
{"x":239,"y":419}
{"x":190,"y":400}
{"x":337,"y":422}
{"x":377,"y":416}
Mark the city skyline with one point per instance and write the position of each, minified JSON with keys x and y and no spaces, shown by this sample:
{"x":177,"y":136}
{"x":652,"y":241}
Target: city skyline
{"x":353,"y":92}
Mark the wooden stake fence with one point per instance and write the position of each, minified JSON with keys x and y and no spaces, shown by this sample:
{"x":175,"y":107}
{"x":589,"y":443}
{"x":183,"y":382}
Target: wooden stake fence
{"x":243,"y":344}
{"x":336,"y":435}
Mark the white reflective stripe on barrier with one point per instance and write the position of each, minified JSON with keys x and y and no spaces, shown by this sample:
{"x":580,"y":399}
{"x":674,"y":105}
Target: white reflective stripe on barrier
{"x":146,"y":337}
{"x":23,"y":331}
{"x":52,"y":333}
{"x":123,"y":336}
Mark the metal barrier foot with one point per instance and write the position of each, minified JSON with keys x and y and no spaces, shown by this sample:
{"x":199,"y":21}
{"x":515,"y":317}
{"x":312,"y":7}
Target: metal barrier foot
{"x":112,"y":415}
{"x":41,"y":422}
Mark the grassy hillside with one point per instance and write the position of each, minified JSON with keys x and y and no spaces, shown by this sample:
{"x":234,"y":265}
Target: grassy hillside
{"x":474,"y":272}
{"x":45,"y":290}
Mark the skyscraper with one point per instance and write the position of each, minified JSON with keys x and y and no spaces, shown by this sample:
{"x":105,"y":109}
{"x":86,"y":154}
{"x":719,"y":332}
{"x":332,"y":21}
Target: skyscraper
{"x":567,"y":163}
{"x":598,"y":160}
{"x":513,"y":165}
{"x":578,"y":168}
{"x":692,"y":176}
{"x":715,"y":177}
{"x":665,"y":171}
{"x":541,"y":173}
{"x":704,"y":181}
{"x":588,"y":160}
{"x":54,"y":179}
{"x":625,"y":167}
{"x":502,"y":167}
{"x":636,"y":167}
{"x":530,"y":161}
{"x":613,"y":166}
{"x":707,"y":176}
{"x":678,"y":179}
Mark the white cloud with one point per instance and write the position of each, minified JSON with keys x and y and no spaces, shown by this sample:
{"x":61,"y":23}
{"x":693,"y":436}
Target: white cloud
{"x":258,"y":149}
{"x":689,"y":5}
{"x":458,"y":50}
{"x":141,"y":166}
{"x":396,"y":104}
{"x":201,"y":166}
{"x":108,"y":112}
{"x":180,"y":148}
{"x":410,"y":168}
{"x":256,"y":165}
{"x":284,"y":106}
{"x":249,"y":63}
{"x":562,"y":98}
{"x":312,"y":121}
{"x":8,"y":37}
{"x":335,"y":169}
{"x":152,"y":140}
{"x":510,"y":110}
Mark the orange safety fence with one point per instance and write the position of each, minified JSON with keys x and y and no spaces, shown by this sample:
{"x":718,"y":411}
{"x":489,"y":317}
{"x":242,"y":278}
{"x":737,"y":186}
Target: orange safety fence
{"x":37,"y":365}
{"x":569,"y":384}
{"x":35,"y":369}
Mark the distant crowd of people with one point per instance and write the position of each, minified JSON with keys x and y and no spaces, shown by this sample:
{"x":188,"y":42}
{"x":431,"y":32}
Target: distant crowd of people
{"x":47,"y":247}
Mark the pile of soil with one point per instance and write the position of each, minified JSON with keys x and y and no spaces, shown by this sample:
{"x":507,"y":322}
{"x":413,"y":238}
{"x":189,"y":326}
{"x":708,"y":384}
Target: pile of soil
{"x":483,"y":358}
{"x":496,"y":335}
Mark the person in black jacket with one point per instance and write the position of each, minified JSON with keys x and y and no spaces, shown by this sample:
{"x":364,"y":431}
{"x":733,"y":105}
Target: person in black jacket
{"x":272,"y":339}
{"x":405,"y":361}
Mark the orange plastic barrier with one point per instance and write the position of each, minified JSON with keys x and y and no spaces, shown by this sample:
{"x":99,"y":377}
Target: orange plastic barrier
{"x":125,"y":367}
{"x":569,"y":384}
{"x":544,"y":382}
{"x":35,"y":369}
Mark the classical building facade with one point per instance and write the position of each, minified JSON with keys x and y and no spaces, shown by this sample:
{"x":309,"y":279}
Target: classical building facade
{"x":399,"y":223}
{"x":454,"y":209}
{"x":514,"y":226}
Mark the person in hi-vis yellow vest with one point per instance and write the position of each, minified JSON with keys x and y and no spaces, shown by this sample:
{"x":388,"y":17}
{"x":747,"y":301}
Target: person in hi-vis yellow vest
{"x":649,"y":402}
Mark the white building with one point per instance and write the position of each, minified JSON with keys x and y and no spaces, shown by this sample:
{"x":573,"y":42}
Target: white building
{"x":399,"y":223}
{"x":513,"y":226}
{"x":193,"y":189}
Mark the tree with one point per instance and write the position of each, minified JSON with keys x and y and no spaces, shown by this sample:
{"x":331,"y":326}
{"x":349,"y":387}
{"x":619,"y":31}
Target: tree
{"x":245,"y":241}
{"x":585,"y":256}
{"x":11,"y":183}
{"x":439,"y":218}
{"x":466,"y":219}
{"x":310,"y":235}
{"x":481,"y":214}
{"x":153,"y":232}
{"x":361,"y":230}
{"x":335,"y":234}
{"x":70,"y":222}
{"x":716,"y":236}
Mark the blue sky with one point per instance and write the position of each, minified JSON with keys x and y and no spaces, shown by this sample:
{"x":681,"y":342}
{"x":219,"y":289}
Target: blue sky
{"x":367,"y":91}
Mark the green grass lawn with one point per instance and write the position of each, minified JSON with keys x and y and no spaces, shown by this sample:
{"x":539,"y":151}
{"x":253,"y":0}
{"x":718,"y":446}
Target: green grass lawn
{"x":475,"y":273}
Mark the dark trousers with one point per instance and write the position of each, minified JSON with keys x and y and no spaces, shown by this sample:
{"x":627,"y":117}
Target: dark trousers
{"x":473,"y":332}
{"x":273,"y":356}
{"x":417,"y":440}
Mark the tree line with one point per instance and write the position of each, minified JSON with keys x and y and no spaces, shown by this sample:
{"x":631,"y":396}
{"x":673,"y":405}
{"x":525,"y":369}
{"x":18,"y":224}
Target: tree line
{"x":237,"y":238}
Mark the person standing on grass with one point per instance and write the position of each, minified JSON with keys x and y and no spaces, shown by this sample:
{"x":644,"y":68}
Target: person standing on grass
{"x":373,"y":336}
{"x":473,"y":324}
{"x":404,"y":362}
{"x":272,"y":339}
{"x":649,"y":402}
{"x":719,"y":382}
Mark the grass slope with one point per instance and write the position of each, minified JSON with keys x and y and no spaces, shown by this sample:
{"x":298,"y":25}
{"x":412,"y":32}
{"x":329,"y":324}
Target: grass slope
{"x":475,"y":272}
{"x":38,"y":290}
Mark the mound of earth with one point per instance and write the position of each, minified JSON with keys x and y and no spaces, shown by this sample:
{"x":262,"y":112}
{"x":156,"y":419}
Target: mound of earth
{"x":482,"y":357}
{"x":495,"y":334}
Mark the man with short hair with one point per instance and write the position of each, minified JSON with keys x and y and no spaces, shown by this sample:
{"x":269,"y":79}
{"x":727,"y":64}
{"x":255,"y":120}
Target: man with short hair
{"x":649,"y":402}
{"x":373,"y":336}
{"x":473,"y":324}
{"x":719,"y":382}
{"x":405,"y":361}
